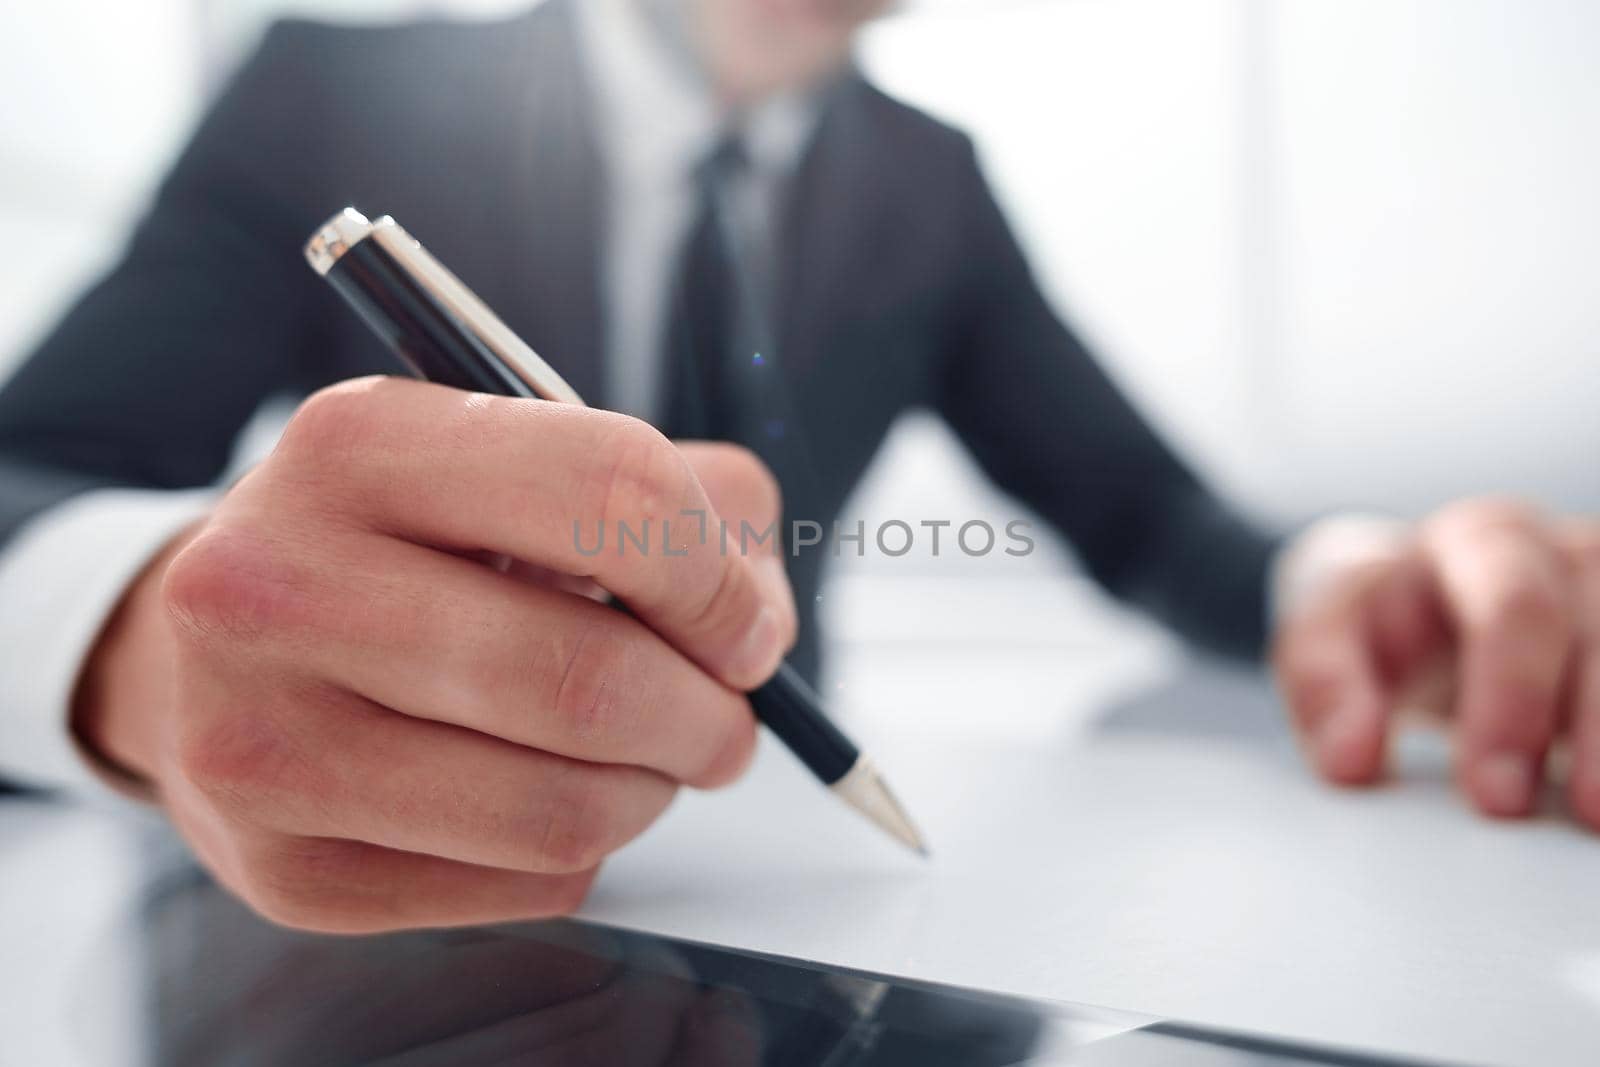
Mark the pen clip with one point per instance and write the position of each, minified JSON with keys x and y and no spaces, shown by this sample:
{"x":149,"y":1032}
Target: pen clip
{"x":473,"y":313}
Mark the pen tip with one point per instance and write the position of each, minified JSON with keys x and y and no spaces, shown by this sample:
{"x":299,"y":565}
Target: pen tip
{"x":864,"y":789}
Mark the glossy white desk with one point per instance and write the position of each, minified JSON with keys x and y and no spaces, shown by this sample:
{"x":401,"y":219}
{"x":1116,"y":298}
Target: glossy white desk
{"x":1106,"y":832}
{"x":1142,"y":836}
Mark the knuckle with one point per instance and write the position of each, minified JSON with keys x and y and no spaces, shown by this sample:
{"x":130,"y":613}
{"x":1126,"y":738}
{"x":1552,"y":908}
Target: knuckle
{"x":1482,"y":514}
{"x":592,"y":694}
{"x":573,"y":831}
{"x":331,"y":420}
{"x":634,"y":474}
{"x":235,"y":760}
{"x":223,"y":582}
{"x":728,"y":605}
{"x":1524,"y":610}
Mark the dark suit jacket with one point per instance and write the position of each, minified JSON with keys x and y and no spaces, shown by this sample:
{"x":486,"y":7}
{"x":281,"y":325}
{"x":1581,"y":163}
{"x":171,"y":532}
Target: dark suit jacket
{"x":900,"y":285}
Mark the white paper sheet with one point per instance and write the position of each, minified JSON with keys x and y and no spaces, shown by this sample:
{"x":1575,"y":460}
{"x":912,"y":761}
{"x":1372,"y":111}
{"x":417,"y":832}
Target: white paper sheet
{"x":1161,"y":852}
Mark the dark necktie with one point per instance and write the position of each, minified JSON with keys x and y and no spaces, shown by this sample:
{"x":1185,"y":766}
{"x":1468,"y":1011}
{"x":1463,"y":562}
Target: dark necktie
{"x":705,"y":313}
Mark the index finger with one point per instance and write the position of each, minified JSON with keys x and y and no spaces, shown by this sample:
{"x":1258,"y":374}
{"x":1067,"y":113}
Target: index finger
{"x":581,"y":491}
{"x":1502,"y":582}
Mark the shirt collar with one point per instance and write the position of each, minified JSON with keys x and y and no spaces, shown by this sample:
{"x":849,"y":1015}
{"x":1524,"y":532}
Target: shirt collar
{"x":659,"y":115}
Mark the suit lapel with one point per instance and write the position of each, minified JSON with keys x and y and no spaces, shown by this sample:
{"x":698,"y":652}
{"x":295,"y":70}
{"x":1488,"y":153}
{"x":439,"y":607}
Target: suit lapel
{"x":842,"y":232}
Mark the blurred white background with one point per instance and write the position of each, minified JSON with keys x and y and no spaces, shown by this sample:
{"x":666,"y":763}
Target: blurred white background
{"x":1342,"y":249}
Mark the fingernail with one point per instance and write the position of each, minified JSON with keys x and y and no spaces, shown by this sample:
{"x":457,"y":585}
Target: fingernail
{"x":1506,"y":783}
{"x":758,"y":652}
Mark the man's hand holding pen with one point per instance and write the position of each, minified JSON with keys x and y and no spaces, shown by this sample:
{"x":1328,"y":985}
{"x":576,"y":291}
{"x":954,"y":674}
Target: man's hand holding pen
{"x":362,"y":717}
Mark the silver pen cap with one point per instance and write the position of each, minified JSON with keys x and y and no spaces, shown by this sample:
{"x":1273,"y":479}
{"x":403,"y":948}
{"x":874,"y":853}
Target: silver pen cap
{"x":350,"y":227}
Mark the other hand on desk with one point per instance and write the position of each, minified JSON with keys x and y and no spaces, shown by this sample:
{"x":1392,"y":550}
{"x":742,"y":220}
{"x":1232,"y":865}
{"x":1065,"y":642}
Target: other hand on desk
{"x":362,"y":717}
{"x":1486,"y":614}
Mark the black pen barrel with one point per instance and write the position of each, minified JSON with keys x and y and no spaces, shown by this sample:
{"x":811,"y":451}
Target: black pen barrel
{"x":790,"y":708}
{"x":416,"y":326}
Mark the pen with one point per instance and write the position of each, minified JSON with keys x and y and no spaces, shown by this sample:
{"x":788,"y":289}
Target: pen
{"x":445,"y":334}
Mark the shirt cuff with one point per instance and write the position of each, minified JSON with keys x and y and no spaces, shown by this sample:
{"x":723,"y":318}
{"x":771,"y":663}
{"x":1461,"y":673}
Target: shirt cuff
{"x":1330,"y":547}
{"x":61,"y":576}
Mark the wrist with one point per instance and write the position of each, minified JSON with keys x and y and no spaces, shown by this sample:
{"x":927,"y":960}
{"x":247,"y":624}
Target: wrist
{"x":124,"y":688}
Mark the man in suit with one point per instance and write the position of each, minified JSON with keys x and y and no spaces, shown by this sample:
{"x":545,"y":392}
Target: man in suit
{"x":361,"y":715}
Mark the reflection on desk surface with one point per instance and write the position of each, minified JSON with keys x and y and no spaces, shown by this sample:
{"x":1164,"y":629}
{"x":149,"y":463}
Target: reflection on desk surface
{"x":217,"y":986}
